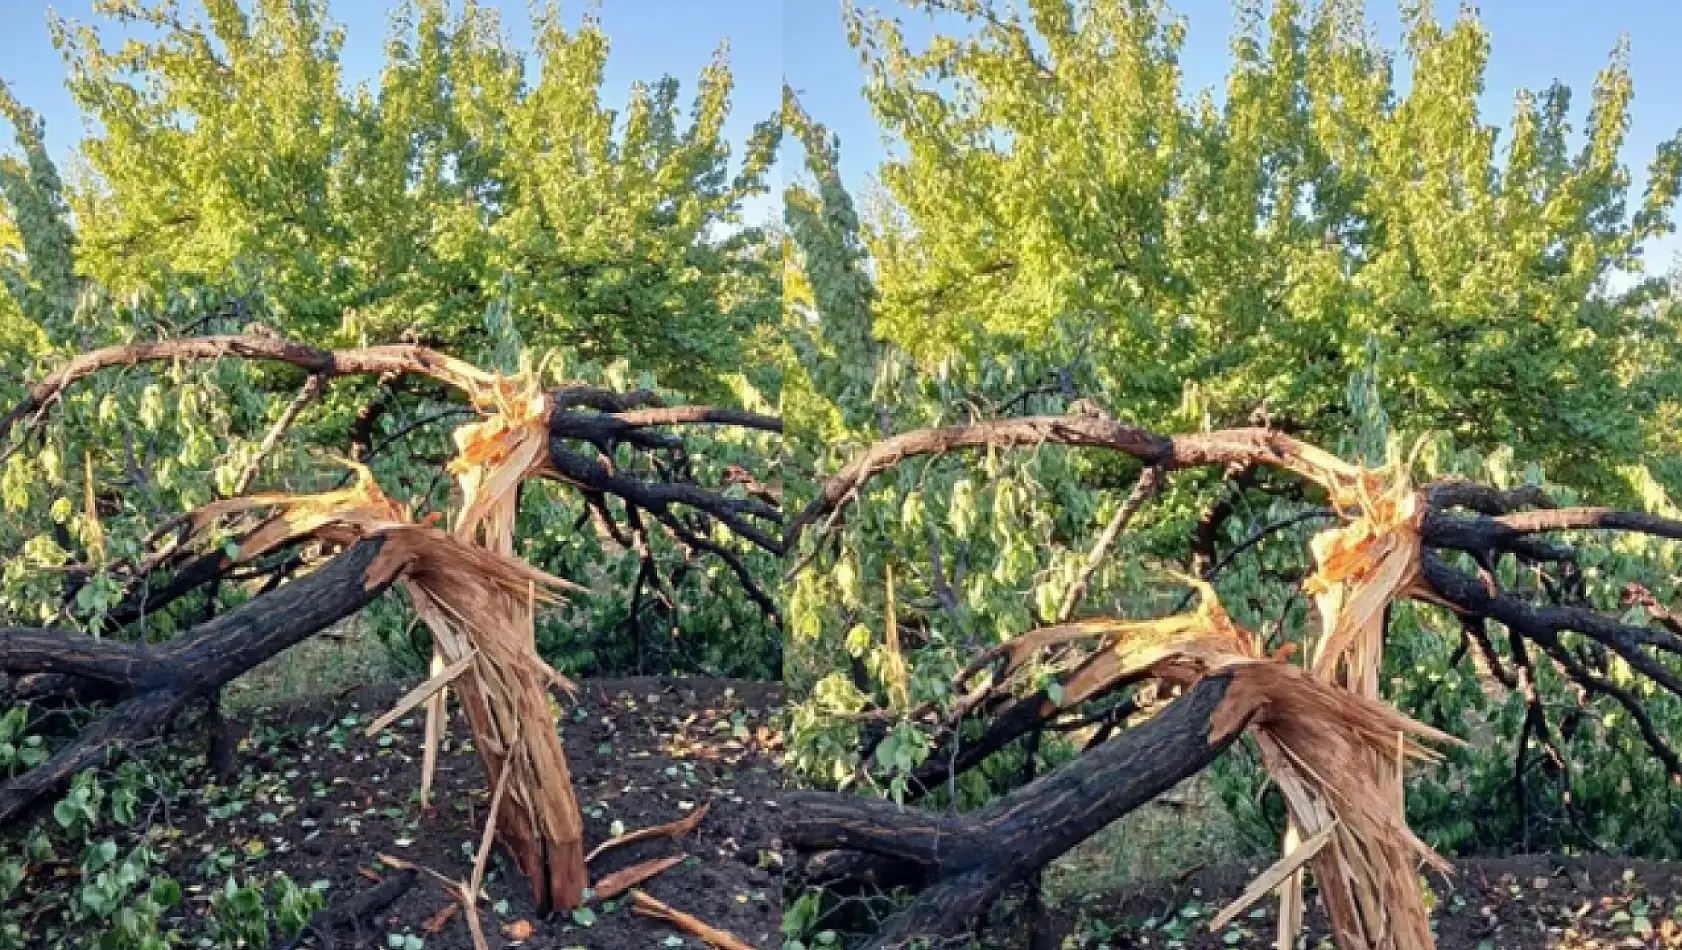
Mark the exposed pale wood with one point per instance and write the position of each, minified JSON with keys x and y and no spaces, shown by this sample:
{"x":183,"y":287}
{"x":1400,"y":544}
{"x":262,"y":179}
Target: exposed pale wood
{"x":436,"y":706}
{"x":1272,"y":878}
{"x":624,"y":879}
{"x":480,"y":619}
{"x":421,"y":694}
{"x":456,"y":889}
{"x":688,"y":923}
{"x":491,"y":822}
{"x":671,"y":829}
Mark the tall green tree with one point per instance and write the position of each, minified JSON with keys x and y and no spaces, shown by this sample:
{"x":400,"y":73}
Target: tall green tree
{"x":476,"y":196}
{"x":36,"y":240}
{"x":1362,"y":258}
{"x":1058,"y":180}
{"x":229,"y":152}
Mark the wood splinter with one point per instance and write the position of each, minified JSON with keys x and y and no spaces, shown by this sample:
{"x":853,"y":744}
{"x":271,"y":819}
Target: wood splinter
{"x":723,"y":939}
{"x":671,"y":829}
{"x":624,"y":879}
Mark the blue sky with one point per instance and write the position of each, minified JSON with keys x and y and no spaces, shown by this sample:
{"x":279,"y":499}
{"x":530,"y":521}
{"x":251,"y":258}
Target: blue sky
{"x":1535,"y":42}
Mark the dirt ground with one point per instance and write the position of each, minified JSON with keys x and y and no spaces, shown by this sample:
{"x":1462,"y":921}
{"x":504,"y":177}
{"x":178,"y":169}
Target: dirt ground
{"x":1519,"y":903}
{"x":319,"y":801}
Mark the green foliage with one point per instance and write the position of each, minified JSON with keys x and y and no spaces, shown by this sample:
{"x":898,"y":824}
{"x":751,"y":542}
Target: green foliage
{"x":478,"y":197}
{"x":120,"y":896}
{"x":19,"y":750}
{"x":801,"y":925}
{"x":475,"y":196}
{"x":1057,"y":184}
{"x":34,"y":223}
{"x":247,"y":915}
{"x":230,"y":150}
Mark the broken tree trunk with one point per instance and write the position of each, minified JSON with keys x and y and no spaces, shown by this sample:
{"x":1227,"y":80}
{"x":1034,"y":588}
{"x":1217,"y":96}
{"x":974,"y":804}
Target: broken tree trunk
{"x":506,"y":701}
{"x":969,"y":860}
{"x":481,"y":610}
{"x":153,"y":684}
{"x":478,"y":604}
{"x":1335,"y":751}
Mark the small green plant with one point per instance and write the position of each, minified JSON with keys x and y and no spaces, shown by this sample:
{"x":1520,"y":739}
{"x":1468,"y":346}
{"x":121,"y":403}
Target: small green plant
{"x":294,"y":905}
{"x":78,"y":811}
{"x":135,"y":926}
{"x":800,"y":922}
{"x":119,"y":896}
{"x":238,"y":916}
{"x":18,"y":752}
{"x":242,"y":915}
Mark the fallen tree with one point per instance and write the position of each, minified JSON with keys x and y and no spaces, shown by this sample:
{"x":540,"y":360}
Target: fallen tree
{"x":153,"y":684}
{"x":963,"y":863}
{"x":473,"y":594}
{"x":1439,"y":543}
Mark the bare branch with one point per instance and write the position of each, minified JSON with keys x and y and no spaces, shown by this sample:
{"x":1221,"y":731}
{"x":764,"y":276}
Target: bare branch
{"x":1543,"y":625}
{"x":700,"y":415}
{"x":1142,"y":490}
{"x":373,"y":360}
{"x":659,"y":497}
{"x":156,"y":683}
{"x":1461,"y":493}
{"x":307,"y":393}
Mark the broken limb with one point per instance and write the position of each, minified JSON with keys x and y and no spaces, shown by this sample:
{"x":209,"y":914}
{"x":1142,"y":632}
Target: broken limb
{"x":155,"y":683}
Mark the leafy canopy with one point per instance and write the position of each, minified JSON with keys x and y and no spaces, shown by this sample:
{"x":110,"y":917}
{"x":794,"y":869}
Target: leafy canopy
{"x":476,"y":196}
{"x":1056,"y":181}
{"x":1367,"y":261}
{"x":230,"y":152}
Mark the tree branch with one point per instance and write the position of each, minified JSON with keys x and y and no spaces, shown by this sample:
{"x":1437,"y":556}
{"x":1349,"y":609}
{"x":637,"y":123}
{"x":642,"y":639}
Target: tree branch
{"x":974,"y":857}
{"x":373,"y":360}
{"x":155,"y":683}
{"x":307,"y":393}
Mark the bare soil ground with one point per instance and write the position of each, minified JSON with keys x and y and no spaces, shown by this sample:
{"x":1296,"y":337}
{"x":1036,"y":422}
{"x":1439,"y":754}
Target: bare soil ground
{"x":1537,"y":902}
{"x":319,"y":801}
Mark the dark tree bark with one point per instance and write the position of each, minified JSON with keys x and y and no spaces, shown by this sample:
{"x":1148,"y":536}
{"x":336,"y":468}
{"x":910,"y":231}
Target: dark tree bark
{"x":963,"y":863}
{"x":153,"y":684}
{"x":1017,"y":719}
{"x":970,"y":859}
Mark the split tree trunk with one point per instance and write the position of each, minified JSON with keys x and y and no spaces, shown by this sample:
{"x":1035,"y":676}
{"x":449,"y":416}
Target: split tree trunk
{"x":969,"y":860}
{"x":540,"y":824}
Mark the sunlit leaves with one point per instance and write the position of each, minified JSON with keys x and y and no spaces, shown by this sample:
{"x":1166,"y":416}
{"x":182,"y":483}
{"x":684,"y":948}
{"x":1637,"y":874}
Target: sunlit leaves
{"x":230,"y":153}
{"x":1055,"y":179}
{"x":1346,"y":244}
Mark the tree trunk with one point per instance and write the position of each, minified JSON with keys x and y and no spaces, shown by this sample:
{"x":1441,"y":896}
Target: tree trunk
{"x":152,"y":684}
{"x":970,"y":859}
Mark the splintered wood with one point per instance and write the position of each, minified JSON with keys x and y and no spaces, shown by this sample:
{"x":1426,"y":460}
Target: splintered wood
{"x":508,"y":685}
{"x":671,"y":829}
{"x":688,"y":923}
{"x":1361,"y":567}
{"x":1335,"y":750}
{"x":478,"y":601}
{"x":624,"y":879}
{"x":491,"y":628}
